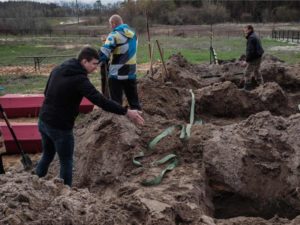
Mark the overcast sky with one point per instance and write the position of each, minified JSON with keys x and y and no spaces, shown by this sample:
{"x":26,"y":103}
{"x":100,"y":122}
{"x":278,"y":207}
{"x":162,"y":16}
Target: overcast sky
{"x":57,"y":1}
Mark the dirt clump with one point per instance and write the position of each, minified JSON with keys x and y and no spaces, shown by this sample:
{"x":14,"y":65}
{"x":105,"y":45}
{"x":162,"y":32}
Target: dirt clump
{"x":287,"y":77}
{"x":26,"y":199}
{"x":253,"y":166}
{"x":226,"y":100}
{"x":240,"y":164}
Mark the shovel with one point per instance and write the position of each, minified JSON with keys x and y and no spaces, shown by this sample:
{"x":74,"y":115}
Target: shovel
{"x":25,"y":160}
{"x":2,"y":171}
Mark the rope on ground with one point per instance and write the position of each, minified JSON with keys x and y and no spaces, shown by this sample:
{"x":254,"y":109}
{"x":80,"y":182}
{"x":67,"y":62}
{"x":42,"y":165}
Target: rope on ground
{"x":185,"y":134}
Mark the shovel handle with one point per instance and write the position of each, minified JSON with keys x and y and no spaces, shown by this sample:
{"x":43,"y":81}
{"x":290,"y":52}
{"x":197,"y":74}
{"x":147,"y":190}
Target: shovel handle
{"x":11,"y":130}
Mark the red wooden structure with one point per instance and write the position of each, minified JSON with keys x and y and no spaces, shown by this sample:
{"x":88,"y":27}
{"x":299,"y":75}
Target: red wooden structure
{"x":28,"y":105}
{"x":27,"y":134}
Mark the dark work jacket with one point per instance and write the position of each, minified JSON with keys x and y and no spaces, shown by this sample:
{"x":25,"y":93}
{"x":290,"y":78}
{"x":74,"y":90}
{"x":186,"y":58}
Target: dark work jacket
{"x":254,"y":49}
{"x":66,"y":86}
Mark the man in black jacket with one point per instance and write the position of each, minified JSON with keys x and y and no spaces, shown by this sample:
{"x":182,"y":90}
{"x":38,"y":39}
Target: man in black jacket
{"x":254,"y":54}
{"x":66,"y":86}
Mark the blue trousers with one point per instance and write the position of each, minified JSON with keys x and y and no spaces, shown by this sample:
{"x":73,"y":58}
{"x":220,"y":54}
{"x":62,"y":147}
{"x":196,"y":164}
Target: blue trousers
{"x":60,"y":142}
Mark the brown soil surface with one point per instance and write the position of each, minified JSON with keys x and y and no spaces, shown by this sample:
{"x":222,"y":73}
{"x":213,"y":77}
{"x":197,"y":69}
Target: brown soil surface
{"x":45,"y":69}
{"x":240,"y":167}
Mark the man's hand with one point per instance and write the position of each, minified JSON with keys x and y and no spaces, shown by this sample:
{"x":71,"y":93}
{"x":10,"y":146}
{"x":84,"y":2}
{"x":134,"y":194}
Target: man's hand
{"x":135,"y":116}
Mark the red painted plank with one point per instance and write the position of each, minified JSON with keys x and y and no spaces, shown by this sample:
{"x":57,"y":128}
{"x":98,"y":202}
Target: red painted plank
{"x":27,"y":134}
{"x":28,"y":105}
{"x":86,"y":106}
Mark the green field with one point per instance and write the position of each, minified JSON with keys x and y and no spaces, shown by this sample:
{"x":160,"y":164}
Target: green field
{"x":196,"y":50}
{"x":31,"y":84}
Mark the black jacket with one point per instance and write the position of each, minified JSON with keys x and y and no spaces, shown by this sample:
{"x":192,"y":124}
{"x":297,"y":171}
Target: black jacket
{"x":66,"y":86}
{"x":254,"y":49}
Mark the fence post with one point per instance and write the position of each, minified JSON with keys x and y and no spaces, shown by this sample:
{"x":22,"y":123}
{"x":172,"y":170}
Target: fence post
{"x":292,"y":36}
{"x":279,"y":34}
{"x":298,"y":36}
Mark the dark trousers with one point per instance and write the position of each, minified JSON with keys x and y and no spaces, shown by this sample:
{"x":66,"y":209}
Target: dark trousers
{"x":104,"y":80}
{"x":60,"y":142}
{"x":253,"y":67}
{"x":129,"y":87}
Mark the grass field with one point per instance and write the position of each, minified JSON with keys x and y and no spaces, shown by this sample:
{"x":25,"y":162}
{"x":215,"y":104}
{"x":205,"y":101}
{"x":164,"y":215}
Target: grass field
{"x":31,"y":84}
{"x":196,"y":50}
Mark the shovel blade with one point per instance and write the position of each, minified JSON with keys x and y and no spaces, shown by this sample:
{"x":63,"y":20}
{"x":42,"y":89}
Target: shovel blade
{"x":2,"y":171}
{"x":27,"y":163}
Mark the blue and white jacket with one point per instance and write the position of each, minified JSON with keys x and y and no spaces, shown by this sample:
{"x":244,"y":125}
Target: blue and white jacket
{"x":121,"y":47}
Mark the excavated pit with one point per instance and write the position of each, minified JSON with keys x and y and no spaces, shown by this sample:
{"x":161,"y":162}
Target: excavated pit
{"x":240,"y":167}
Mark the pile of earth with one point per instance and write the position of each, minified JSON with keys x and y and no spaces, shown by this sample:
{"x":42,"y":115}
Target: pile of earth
{"x":239,"y":166}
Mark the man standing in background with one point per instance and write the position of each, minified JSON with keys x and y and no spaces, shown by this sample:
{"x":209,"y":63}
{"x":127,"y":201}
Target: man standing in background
{"x":254,"y":52}
{"x":121,"y":47}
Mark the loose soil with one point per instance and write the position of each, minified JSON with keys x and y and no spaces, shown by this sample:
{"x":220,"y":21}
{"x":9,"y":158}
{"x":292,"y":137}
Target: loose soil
{"x":240,"y":166}
{"x":45,"y":69}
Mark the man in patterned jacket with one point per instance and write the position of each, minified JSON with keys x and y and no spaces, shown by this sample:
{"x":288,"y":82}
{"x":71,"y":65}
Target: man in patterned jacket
{"x":120,"y":47}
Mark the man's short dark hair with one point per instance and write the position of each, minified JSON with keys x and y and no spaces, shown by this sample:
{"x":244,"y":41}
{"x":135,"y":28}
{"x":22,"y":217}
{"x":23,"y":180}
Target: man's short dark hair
{"x":87,"y":53}
{"x":250,"y":27}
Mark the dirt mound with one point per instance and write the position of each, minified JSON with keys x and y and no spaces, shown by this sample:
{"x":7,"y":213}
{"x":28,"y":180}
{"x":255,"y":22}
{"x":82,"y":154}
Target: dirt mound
{"x":183,"y":74}
{"x":287,"y":77}
{"x":226,"y":100}
{"x":253,"y":167}
{"x":26,"y":199}
{"x":104,"y":154}
{"x":242,"y":162}
{"x":180,"y":73}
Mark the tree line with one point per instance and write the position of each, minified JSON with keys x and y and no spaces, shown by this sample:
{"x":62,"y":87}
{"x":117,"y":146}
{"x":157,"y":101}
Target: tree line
{"x":179,"y":12}
{"x":29,"y":15}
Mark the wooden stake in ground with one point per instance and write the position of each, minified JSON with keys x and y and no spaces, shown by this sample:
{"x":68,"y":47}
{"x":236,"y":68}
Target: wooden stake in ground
{"x":149,"y":44}
{"x":151,"y":60}
{"x":162,"y":58}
